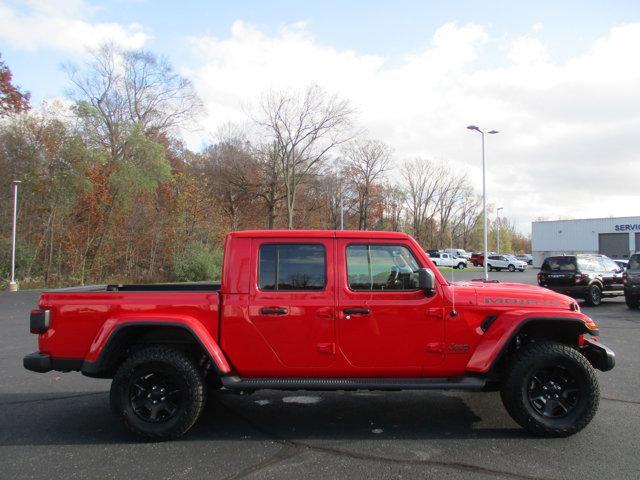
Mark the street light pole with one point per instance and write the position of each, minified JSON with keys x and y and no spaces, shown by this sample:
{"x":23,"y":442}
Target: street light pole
{"x":498,"y":222}
{"x":484,"y":199}
{"x":341,"y":210}
{"x":13,"y":286}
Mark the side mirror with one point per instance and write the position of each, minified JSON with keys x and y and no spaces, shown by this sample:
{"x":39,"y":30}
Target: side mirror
{"x":426,"y":281}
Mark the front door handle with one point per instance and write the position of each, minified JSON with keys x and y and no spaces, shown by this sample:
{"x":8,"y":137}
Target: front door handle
{"x":356,"y":311}
{"x":273,"y":311}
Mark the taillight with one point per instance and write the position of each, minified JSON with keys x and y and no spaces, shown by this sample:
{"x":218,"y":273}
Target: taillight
{"x":39,"y":321}
{"x":540,"y":277}
{"x":625,"y":278}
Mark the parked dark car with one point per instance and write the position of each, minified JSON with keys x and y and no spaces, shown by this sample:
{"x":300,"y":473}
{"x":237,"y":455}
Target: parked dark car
{"x":587,"y":276}
{"x":631,"y":280}
{"x":477,"y":259}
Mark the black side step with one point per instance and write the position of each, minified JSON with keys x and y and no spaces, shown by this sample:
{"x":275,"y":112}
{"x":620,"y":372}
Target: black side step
{"x":458,"y":383}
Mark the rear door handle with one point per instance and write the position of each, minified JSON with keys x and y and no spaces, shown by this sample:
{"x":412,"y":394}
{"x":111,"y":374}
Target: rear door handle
{"x":273,"y":311}
{"x":356,"y":311}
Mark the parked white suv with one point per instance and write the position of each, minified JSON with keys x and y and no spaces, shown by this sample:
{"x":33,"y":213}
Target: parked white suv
{"x":505,"y":262}
{"x":442,"y":259}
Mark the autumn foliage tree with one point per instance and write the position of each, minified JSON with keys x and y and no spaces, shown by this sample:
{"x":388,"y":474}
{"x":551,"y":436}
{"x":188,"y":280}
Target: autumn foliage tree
{"x":12,"y":99}
{"x":111,"y":193}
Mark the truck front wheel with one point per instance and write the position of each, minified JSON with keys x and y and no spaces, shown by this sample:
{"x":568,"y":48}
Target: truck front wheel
{"x":158,"y":392}
{"x":551,"y":390}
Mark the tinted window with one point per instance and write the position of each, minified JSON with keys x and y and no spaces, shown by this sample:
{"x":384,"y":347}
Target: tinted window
{"x":559,"y":264}
{"x":381,"y":267}
{"x":634,"y":262}
{"x":291,"y":267}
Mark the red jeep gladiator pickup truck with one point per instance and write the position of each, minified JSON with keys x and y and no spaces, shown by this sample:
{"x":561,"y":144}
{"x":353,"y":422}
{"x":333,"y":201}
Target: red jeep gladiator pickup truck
{"x":324,"y":310}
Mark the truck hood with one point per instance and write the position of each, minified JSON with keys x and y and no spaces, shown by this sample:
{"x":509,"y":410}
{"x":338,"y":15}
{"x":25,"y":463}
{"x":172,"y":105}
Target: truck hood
{"x":512,"y":294}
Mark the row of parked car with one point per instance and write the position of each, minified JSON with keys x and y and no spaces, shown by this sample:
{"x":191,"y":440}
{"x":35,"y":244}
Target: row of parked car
{"x":593,"y":277}
{"x":458,"y":258}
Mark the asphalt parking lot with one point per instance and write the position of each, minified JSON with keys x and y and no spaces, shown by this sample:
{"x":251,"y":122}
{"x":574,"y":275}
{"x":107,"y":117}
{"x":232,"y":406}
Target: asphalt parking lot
{"x":59,"y":425}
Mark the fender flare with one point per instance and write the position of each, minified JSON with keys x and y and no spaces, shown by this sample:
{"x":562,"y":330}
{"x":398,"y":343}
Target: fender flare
{"x":113,"y":332}
{"x":500,"y":334}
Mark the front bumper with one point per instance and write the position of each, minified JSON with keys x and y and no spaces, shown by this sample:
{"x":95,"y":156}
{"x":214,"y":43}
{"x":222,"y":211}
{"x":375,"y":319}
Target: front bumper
{"x":599,"y":355}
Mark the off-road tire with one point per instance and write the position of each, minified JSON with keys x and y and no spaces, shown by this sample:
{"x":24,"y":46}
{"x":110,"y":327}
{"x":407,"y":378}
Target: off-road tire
{"x":632,"y":302}
{"x":594,"y":295}
{"x":183,"y":373}
{"x":517,"y":382}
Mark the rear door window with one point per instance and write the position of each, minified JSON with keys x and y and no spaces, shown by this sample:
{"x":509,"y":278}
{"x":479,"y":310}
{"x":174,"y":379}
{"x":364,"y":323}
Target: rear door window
{"x":634,"y":262}
{"x":292,"y":267}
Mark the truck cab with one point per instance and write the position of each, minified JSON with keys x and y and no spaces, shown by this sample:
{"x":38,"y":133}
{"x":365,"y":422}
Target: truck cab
{"x":323,"y":310}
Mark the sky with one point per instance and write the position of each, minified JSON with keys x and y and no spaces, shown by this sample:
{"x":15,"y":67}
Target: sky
{"x":559,"y":80}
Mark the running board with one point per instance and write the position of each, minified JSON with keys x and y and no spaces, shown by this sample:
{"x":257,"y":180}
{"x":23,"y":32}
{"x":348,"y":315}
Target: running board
{"x":274,"y":383}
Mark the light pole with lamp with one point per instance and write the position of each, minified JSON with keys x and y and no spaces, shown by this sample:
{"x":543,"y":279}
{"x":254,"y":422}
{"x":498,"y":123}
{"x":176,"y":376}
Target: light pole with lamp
{"x":13,"y":286}
{"x":498,"y":222}
{"x":484,"y":198}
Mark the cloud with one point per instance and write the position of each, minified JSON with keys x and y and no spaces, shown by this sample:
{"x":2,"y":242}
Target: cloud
{"x":568,"y":131}
{"x":63,"y":25}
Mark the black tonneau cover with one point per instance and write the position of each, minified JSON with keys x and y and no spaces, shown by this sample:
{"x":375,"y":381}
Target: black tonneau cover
{"x":150,"y":287}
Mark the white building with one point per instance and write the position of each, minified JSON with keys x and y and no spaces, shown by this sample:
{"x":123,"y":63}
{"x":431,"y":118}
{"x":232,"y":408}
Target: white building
{"x":614,"y":237}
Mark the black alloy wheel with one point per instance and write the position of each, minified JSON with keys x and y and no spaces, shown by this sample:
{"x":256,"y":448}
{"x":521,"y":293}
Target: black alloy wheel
{"x":553,"y":392}
{"x":155,"y":396}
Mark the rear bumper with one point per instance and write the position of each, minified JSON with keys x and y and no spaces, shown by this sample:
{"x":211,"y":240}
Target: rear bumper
{"x":600,"y":356}
{"x":37,"y":362}
{"x":42,"y":363}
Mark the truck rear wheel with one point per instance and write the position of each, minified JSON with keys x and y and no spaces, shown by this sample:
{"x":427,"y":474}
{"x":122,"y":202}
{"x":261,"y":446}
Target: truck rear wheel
{"x":159,"y":393}
{"x":551,"y":390}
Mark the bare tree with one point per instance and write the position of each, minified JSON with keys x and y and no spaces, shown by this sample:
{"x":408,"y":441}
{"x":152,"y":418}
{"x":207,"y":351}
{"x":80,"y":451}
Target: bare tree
{"x":117,"y":89}
{"x":366,"y":160}
{"x":450,"y":195}
{"x":304,"y":128}
{"x":395,"y":199}
{"x":422,"y":179}
{"x":269,"y":188}
{"x":468,"y":218}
